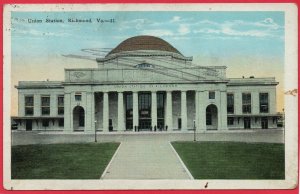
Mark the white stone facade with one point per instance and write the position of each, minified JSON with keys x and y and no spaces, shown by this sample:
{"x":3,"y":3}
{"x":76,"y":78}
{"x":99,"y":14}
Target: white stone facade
{"x":136,"y":90}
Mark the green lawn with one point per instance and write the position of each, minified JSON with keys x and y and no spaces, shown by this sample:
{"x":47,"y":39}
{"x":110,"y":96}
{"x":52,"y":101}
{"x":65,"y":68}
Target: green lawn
{"x":232,"y":160}
{"x":61,"y":161}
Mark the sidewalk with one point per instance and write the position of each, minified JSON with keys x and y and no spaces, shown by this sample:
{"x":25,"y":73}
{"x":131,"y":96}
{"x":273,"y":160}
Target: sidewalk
{"x":146,"y":160}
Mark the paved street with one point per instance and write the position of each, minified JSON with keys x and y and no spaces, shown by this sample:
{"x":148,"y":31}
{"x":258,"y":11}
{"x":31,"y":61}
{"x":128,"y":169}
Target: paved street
{"x":41,"y":137}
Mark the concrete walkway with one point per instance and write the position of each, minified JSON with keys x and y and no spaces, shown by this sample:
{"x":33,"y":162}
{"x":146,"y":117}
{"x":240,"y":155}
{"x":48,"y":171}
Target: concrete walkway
{"x":146,"y":160}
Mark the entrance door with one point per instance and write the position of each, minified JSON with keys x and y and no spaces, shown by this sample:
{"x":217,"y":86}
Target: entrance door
{"x":247,"y":123}
{"x":145,"y":124}
{"x":28,"y":125}
{"x":145,"y":112}
{"x":264,"y":122}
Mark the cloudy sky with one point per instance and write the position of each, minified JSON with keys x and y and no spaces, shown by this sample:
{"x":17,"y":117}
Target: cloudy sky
{"x":248,"y":43}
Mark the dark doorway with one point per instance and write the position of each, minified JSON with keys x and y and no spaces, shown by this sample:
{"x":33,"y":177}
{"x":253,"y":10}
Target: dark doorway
{"x":110,"y":125}
{"x":211,"y":117}
{"x":247,"y":123}
{"x":145,"y":111}
{"x":78,"y":118}
{"x":28,"y":125}
{"x":160,"y":111}
{"x":179,"y":123}
{"x":129,"y":111}
{"x":264,"y":123}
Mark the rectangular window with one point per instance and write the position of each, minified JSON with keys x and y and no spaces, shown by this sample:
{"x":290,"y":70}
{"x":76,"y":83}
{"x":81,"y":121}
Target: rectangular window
{"x":29,"y":101}
{"x":160,"y":105}
{"x":230,"y":120}
{"x":211,"y":95}
{"x":144,"y":105}
{"x":264,"y":102}
{"x":230,"y":103}
{"x":77,"y":96}
{"x":61,"y":122}
{"x":246,"y":101}
{"x":45,"y":105}
{"x":45,"y":123}
{"x":60,"y":105}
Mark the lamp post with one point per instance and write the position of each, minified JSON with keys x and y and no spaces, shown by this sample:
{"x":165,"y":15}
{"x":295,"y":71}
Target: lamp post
{"x":194,"y":131}
{"x":95,"y":131}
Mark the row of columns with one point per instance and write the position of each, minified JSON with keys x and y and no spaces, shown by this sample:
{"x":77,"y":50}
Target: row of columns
{"x":168,"y":114}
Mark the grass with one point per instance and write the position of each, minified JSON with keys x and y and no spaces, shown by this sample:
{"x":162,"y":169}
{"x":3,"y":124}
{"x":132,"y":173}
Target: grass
{"x":61,"y":161}
{"x":232,"y":160}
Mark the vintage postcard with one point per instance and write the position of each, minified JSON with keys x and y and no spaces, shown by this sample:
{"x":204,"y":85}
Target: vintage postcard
{"x":150,"y":96}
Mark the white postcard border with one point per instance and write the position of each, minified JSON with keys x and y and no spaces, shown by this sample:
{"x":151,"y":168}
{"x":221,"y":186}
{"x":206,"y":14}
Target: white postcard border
{"x":291,"y":103}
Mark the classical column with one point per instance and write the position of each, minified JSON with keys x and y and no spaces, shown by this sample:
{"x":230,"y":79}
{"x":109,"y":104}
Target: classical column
{"x":68,"y":113}
{"x":153,"y":109}
{"x":135,"y":111}
{"x":196,"y":122}
{"x":169,"y":111}
{"x":200,"y":101}
{"x":105,"y":112}
{"x":89,"y":113}
{"x":183,"y":111}
{"x":120,"y":112}
{"x":222,"y":112}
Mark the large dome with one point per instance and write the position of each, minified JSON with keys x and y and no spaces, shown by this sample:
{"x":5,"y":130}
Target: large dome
{"x":144,"y":43}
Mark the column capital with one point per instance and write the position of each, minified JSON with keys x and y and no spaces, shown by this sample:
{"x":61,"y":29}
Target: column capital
{"x":154,"y":91}
{"x":183,"y":91}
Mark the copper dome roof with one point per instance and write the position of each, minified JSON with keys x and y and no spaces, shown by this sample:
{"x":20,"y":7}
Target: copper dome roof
{"x":144,"y":43}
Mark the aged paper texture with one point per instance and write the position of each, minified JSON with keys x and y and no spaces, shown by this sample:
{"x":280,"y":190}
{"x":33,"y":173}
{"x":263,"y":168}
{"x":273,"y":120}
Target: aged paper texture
{"x":150,"y":96}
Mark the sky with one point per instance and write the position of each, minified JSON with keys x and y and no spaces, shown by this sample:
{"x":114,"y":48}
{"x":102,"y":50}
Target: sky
{"x":248,"y":43}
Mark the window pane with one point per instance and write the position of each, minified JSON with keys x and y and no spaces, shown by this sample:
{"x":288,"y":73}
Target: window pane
{"x":211,"y":95}
{"x":246,"y":100}
{"x":45,"y":123}
{"x":60,"y":110}
{"x":28,"y":100}
{"x":45,"y":110}
{"x":230,"y":121}
{"x":28,"y":110}
{"x":45,"y":100}
{"x":160,"y":105}
{"x":60,"y":100}
{"x":78,"y":97}
{"x":264,"y":102}
{"x":230,"y":103}
{"x":61,"y":122}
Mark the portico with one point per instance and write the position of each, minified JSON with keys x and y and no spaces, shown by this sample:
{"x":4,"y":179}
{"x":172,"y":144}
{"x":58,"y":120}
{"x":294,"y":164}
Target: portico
{"x":150,"y":107}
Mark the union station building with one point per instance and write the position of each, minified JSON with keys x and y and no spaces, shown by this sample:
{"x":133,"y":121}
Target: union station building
{"x":145,"y":84}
